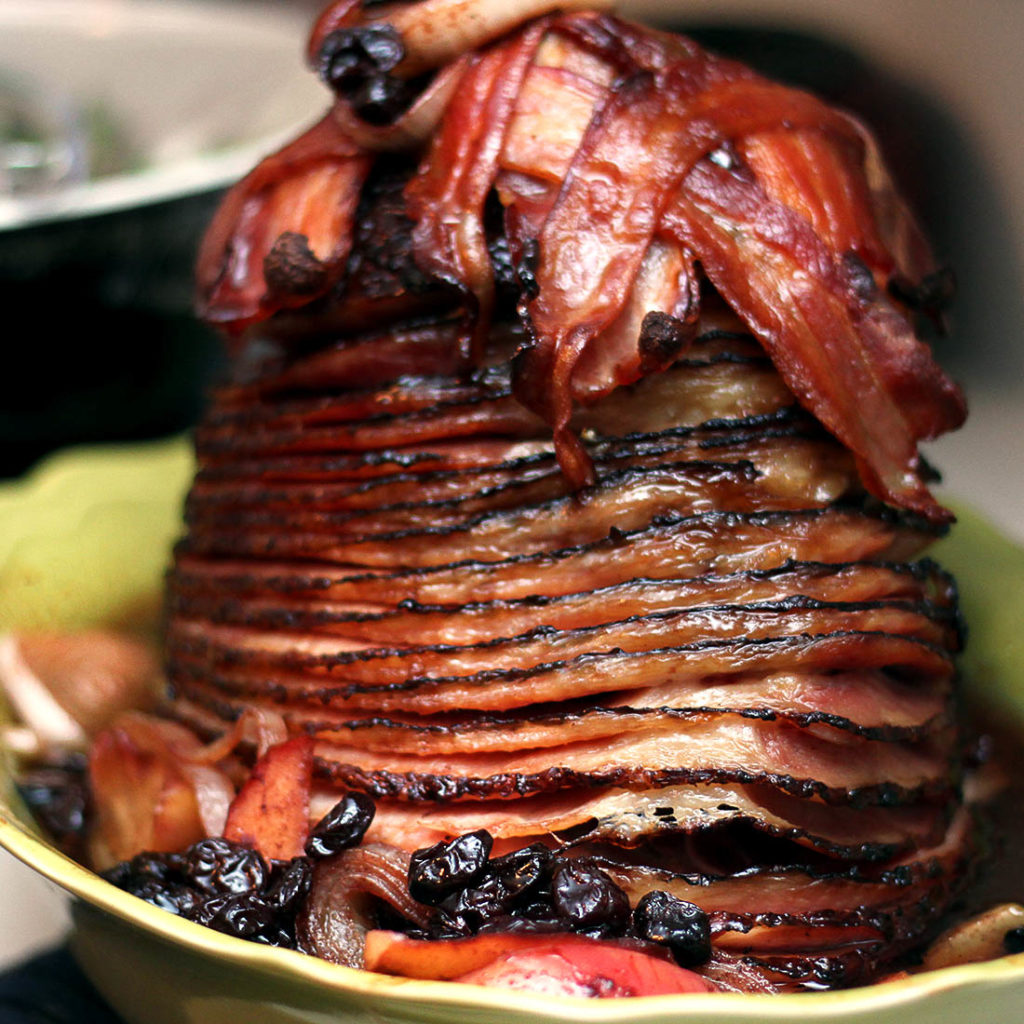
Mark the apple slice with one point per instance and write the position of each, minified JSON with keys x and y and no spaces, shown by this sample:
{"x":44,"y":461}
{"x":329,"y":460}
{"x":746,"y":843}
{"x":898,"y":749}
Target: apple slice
{"x":143,"y":792}
{"x":271,"y":811}
{"x":555,"y":964}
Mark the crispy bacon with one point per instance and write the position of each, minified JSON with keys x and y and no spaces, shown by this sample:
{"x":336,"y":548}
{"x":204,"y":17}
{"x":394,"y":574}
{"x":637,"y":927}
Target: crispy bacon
{"x":282,"y":235}
{"x":696,"y":107}
{"x":448,"y":196}
{"x":832,"y":328}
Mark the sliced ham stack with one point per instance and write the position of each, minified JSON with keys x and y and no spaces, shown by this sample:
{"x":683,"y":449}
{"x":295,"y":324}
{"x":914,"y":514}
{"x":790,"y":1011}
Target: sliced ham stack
{"x":567,"y":487}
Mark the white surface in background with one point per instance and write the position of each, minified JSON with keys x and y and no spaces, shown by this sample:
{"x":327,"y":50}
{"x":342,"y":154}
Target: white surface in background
{"x":200,"y":91}
{"x":983,"y":463}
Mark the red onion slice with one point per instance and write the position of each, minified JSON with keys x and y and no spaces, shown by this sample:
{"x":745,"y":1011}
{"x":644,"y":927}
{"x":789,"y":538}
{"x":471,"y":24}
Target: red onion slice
{"x":338,"y":913}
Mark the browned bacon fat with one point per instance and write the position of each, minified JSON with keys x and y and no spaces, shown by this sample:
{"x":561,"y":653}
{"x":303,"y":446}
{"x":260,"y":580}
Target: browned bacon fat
{"x":567,"y":488}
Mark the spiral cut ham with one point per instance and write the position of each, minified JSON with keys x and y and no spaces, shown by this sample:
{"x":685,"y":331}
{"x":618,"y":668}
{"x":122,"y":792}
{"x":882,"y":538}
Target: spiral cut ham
{"x":568,"y":484}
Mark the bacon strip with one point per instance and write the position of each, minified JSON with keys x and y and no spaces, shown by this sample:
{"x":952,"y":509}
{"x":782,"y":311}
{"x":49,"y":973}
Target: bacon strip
{"x":849,"y":356}
{"x":448,"y":196}
{"x":307,"y":192}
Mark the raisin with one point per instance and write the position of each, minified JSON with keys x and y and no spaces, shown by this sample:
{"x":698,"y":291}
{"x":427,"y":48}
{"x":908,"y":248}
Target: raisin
{"x":448,"y":866}
{"x":523,"y":925}
{"x":243,"y":915}
{"x":342,"y":827}
{"x":175,"y":899}
{"x":449,"y":926}
{"x":279,"y":935}
{"x":120,"y":874}
{"x":477,"y":904}
{"x":156,"y":867}
{"x":523,"y":872}
{"x":683,"y":927}
{"x":289,"y":885}
{"x":58,"y":797}
{"x":349,"y":55}
{"x":220,"y":866}
{"x":587,"y":899}
{"x":379,"y":99}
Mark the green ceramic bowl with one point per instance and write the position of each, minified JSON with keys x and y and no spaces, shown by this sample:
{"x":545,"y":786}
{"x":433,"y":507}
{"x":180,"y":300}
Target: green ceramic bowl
{"x":84,"y":541}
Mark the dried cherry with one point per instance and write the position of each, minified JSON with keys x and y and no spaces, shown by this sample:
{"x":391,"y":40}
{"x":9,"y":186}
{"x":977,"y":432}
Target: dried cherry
{"x":342,"y":827}
{"x":448,"y":866}
{"x":683,"y":927}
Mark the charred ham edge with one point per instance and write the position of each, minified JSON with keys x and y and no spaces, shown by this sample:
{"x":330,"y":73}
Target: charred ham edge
{"x":628,"y":818}
{"x":552,"y":526}
{"x":923,"y":775}
{"x":313,"y":679}
{"x":348,"y":676}
{"x":425,"y":466}
{"x":636,"y":634}
{"x":790,"y":461}
{"x":922,"y":579}
{"x":627,"y":735}
{"x":317,"y":380}
{"x":472,"y":733}
{"x":707,"y":543}
{"x":424,"y":624}
{"x":823,"y":881}
{"x":306,"y":195}
{"x":532,"y":496}
{"x":498,"y":538}
{"x":322,"y":584}
{"x":887,"y":710}
{"x":787,"y":439}
{"x":674,"y":402}
{"x":648,"y":623}
{"x":428,"y":788}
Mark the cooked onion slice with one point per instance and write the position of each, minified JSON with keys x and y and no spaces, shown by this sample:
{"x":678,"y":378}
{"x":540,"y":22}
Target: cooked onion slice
{"x":339,"y":910}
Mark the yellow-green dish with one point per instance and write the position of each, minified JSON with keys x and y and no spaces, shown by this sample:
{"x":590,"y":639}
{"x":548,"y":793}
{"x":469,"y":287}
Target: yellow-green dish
{"x":84,"y":541}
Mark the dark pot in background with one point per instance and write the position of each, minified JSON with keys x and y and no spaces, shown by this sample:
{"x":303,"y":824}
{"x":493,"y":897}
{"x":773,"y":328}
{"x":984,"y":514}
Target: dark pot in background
{"x":164,"y":105}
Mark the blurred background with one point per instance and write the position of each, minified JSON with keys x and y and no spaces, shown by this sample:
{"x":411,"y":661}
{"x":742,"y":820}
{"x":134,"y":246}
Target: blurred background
{"x":122,"y":121}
